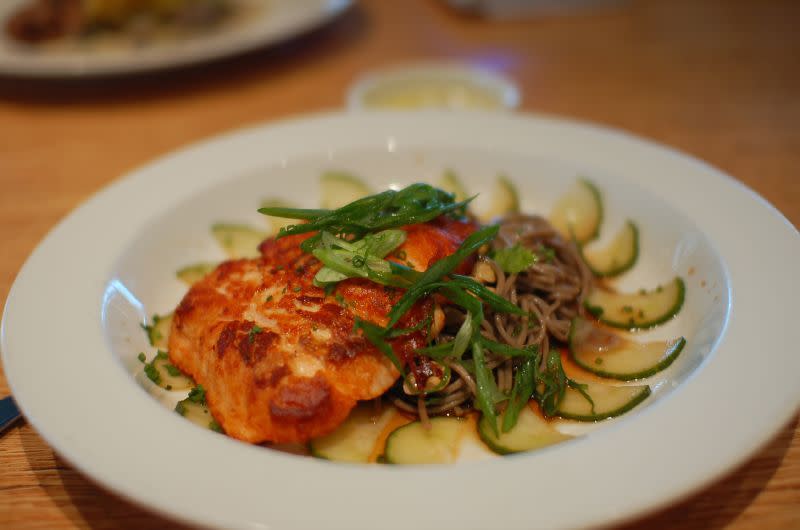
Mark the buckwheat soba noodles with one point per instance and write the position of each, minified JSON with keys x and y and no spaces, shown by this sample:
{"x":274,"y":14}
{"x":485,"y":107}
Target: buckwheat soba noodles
{"x":550,"y":292}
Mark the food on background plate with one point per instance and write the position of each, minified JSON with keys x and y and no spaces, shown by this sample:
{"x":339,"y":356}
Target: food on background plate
{"x":39,"y":21}
{"x":389,"y":327}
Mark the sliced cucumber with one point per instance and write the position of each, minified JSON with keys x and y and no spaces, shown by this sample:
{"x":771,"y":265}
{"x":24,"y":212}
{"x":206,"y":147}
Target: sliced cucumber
{"x":531,"y":432}
{"x":158,"y":331}
{"x":192,"y":274}
{"x":608,"y":355}
{"x":238,"y":241}
{"x":644,"y":309}
{"x":609,"y":401}
{"x":163,"y":373}
{"x":505,"y":199}
{"x":338,"y":188}
{"x":194,"y":409}
{"x":354,"y":440}
{"x":619,"y":256}
{"x":414,"y":444}
{"x":452,"y":184}
{"x":276,"y":223}
{"x":579,"y":212}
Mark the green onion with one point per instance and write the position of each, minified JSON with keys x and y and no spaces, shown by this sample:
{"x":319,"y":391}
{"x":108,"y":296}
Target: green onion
{"x":521,"y":392}
{"x":463,"y":338}
{"x":417,"y":203}
{"x":510,"y":351}
{"x":444,"y":266}
{"x":484,"y":381}
{"x":375,"y":334}
{"x":554,"y":383}
{"x":493,"y":300}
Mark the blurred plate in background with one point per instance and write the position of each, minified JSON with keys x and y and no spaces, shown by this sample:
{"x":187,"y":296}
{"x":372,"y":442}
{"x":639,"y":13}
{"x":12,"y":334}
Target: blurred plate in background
{"x":262,"y":23}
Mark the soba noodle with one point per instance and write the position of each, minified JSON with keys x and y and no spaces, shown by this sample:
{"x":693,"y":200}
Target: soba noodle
{"x":550,"y":292}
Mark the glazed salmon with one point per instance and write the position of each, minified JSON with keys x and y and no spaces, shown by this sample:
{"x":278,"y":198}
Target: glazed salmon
{"x":278,"y":358}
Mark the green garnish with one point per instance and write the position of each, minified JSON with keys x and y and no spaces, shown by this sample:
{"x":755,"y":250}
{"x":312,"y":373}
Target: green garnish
{"x":142,"y":357}
{"x":152,"y":372}
{"x":520,"y":393}
{"x":417,"y":203}
{"x":214,"y":426}
{"x":197,"y":395}
{"x":358,"y":259}
{"x":484,"y":382}
{"x":514,"y":259}
{"x":172,"y":370}
{"x":251,"y":335}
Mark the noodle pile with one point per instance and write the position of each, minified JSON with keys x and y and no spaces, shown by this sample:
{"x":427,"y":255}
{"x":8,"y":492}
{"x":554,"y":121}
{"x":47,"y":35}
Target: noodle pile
{"x":550,"y":292}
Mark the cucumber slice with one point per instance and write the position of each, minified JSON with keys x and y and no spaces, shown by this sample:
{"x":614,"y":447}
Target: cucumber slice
{"x":354,"y":440}
{"x":338,"y":188}
{"x":163,"y":373}
{"x":158,"y":331}
{"x":197,"y":412}
{"x":578,"y":214}
{"x":608,"y":355}
{"x":644,"y":309}
{"x":276,"y":223}
{"x":619,"y":256}
{"x":238,"y":241}
{"x":609,"y":401}
{"x":531,"y":432}
{"x":504,"y":201}
{"x":192,"y":274}
{"x":452,"y":184}
{"x":414,"y":444}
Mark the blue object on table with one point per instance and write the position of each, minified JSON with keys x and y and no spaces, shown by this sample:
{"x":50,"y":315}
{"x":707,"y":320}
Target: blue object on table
{"x":9,"y":413}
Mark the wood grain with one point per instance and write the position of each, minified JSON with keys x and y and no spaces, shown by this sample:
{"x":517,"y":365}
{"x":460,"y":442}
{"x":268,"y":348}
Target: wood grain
{"x":717,"y":79}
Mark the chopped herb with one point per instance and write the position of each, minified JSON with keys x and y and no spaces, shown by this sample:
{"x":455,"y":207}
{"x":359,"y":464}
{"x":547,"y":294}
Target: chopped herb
{"x":152,"y":373}
{"x":180,"y":408}
{"x":214,"y":426}
{"x":627,"y":309}
{"x":197,"y":395}
{"x":251,"y":335}
{"x":142,"y":358}
{"x":297,"y":289}
{"x":340,"y":300}
{"x":279,"y":268}
{"x":269,"y":298}
{"x":172,"y":370}
{"x":598,"y":361}
{"x":514,"y":259}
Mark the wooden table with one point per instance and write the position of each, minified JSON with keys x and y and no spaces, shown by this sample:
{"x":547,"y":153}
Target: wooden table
{"x":717,"y":79}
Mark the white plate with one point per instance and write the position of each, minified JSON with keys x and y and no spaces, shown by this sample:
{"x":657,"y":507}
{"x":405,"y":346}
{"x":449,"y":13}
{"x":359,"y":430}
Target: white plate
{"x":277,"y":21}
{"x":71,"y":328}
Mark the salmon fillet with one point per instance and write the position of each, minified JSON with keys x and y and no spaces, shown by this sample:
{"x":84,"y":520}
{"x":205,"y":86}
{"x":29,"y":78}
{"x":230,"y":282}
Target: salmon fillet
{"x":278,"y":358}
